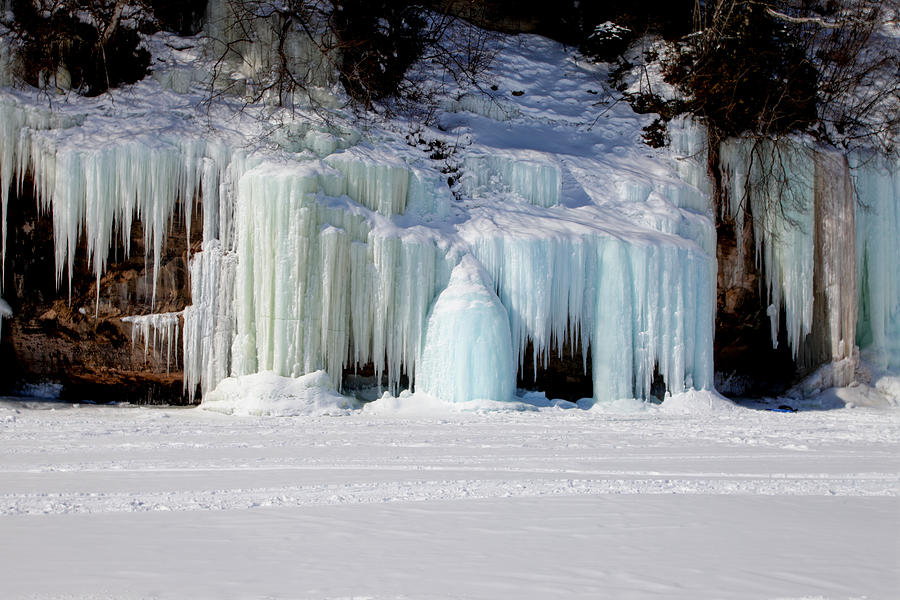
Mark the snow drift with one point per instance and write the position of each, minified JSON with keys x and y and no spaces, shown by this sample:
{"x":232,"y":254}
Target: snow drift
{"x":268,"y":394}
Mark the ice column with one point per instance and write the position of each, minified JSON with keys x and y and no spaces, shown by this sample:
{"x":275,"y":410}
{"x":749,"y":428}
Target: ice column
{"x":654,"y":311}
{"x":878,"y":257}
{"x":209,"y":320}
{"x":468,"y":350}
{"x":834,"y":288}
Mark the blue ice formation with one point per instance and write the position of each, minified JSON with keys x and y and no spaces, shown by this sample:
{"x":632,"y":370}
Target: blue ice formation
{"x":468,"y":352}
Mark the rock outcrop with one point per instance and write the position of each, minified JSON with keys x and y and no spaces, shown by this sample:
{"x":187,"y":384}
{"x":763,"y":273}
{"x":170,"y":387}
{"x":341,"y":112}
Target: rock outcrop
{"x":79,"y":341}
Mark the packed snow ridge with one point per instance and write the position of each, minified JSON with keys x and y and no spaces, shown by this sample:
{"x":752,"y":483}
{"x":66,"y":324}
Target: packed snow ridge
{"x":328,"y":247}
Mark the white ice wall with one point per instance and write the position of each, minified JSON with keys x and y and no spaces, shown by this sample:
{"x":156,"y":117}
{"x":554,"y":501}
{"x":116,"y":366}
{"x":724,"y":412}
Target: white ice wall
{"x":634,"y":302}
{"x":317,"y":284}
{"x":532,"y":176}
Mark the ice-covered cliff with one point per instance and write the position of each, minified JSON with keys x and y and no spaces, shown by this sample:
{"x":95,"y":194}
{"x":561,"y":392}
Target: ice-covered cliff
{"x":524,"y":219}
{"x":827,"y":236}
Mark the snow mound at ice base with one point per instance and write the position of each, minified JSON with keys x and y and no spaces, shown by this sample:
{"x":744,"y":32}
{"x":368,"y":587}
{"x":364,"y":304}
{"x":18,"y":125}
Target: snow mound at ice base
{"x":882,"y":392}
{"x":691,"y":402}
{"x":695,"y":402}
{"x":871,"y":385}
{"x":421,"y":404}
{"x":889,"y":386}
{"x":268,"y":394}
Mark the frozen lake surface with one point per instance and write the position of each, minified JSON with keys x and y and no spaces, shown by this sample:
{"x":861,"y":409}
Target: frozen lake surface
{"x":126,"y":502}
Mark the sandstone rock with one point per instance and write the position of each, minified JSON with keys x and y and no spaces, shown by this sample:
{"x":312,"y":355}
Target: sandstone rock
{"x":80,"y":341}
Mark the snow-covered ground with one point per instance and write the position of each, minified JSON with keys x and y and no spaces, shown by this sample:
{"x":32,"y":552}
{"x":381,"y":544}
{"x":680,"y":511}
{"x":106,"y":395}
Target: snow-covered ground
{"x":127,"y":502}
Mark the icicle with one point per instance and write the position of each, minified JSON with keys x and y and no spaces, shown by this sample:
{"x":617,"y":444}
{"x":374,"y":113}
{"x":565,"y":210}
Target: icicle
{"x":155,"y":331}
{"x":17,"y":153}
{"x":775,"y":179}
{"x":5,"y":313}
{"x":99,"y":191}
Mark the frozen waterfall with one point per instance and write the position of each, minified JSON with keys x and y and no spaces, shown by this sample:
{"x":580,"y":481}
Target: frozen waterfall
{"x":878,"y":257}
{"x":827,"y":231}
{"x":639,"y":303}
{"x":334,"y":263}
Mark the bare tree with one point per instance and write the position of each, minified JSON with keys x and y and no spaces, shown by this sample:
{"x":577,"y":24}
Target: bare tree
{"x":289,"y":51}
{"x":77,"y":43}
{"x":766,"y":69}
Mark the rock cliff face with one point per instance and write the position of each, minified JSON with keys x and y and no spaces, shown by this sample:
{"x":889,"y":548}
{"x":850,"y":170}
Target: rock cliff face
{"x":746,"y":362}
{"x":80,"y":342}
{"x":75,"y":334}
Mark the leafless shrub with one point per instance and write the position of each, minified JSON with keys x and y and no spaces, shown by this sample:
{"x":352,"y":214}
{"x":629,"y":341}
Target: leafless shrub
{"x":294,"y":52}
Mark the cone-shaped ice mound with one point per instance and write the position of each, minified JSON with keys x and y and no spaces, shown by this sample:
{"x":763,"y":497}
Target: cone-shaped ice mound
{"x":468,"y":352}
